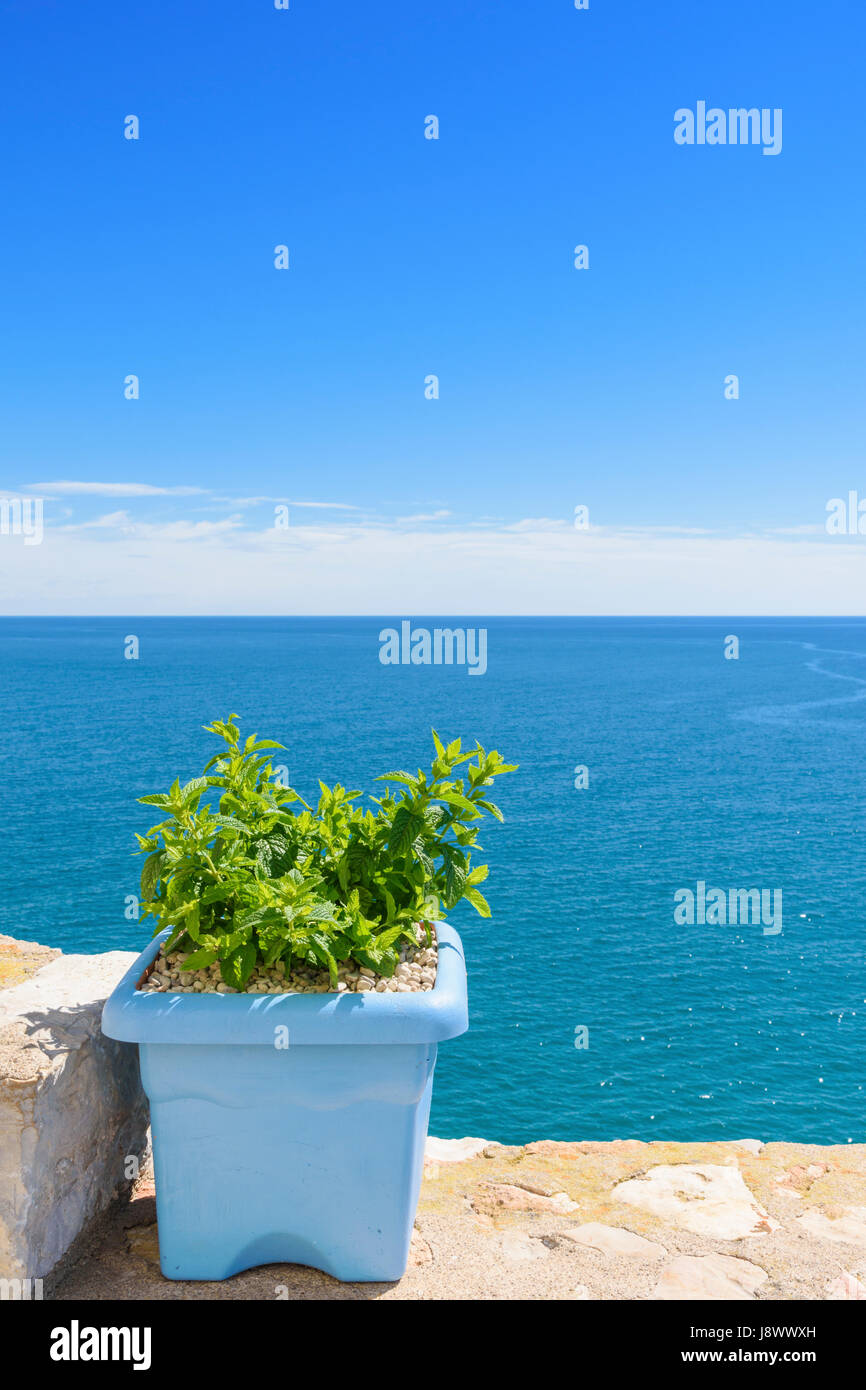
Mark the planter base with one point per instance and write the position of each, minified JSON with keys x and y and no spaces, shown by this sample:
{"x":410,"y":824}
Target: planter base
{"x":308,"y":1156}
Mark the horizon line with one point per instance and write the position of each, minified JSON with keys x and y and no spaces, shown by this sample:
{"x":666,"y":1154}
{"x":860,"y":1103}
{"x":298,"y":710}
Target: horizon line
{"x":402,"y":617}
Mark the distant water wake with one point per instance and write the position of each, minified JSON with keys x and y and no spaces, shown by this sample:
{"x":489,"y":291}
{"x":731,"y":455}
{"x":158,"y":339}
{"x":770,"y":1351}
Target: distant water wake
{"x":793,"y":714}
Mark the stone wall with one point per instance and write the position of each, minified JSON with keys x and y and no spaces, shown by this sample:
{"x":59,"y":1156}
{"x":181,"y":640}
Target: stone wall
{"x":72,"y":1111}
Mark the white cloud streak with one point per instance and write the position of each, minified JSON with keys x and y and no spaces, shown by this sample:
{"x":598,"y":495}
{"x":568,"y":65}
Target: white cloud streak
{"x":542,"y":566}
{"x":68,"y":488}
{"x":286,"y":502}
{"x":424,"y":516}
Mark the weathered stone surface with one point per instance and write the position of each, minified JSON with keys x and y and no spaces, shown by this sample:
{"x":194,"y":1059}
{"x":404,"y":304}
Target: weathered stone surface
{"x":847,"y":1286}
{"x":419,"y":1251}
{"x":564,"y":1148}
{"x":515,"y":1198}
{"x":801,"y":1177}
{"x":709,"y":1277}
{"x":517,"y":1245}
{"x":849,"y":1226}
{"x":521,"y":1253}
{"x":752,"y":1146}
{"x":72,"y":1110}
{"x":21,"y":959}
{"x":453,"y":1150}
{"x":706,"y":1198}
{"x":613,"y":1240}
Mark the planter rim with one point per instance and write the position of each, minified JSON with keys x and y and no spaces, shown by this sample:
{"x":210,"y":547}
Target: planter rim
{"x":426,"y":1016}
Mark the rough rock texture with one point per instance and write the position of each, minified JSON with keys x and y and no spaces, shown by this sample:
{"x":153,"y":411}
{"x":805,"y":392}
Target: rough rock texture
{"x":707,"y":1198}
{"x":21,"y":959}
{"x":569,"y":1235}
{"x":846,"y":1287}
{"x":72,"y":1110}
{"x":453,"y":1150}
{"x":709,"y":1277}
{"x":613,"y":1240}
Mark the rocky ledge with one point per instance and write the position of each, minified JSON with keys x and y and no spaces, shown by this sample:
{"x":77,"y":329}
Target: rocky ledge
{"x":549,"y":1220}
{"x":73,"y":1116}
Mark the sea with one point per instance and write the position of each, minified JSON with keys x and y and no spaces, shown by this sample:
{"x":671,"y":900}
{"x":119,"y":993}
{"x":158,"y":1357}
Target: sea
{"x":659,"y":759}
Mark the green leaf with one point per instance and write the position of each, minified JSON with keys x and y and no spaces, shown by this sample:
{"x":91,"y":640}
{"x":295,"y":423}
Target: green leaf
{"x":200,"y":960}
{"x":274,"y":950}
{"x":322,"y":912}
{"x":150,"y":875}
{"x":405,"y":829}
{"x":237,"y":968}
{"x":424,"y":858}
{"x":180,"y":910}
{"x":171,"y":941}
{"x":251,"y":746}
{"x":402,"y":777}
{"x":274,"y":854}
{"x":332,"y":968}
{"x":455,"y":883}
{"x":232,"y":823}
{"x":478,"y":901}
{"x":462,"y":802}
{"x":191,"y":922}
{"x":253,"y":919}
{"x":386,"y":939}
{"x":218,"y":893}
{"x":193,"y":790}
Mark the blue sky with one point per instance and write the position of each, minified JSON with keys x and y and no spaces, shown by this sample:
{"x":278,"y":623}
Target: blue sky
{"x":411,"y":257}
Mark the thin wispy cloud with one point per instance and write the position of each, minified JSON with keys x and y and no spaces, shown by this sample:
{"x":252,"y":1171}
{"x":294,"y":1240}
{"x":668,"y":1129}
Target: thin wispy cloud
{"x":111,"y":521}
{"x":180,"y":530}
{"x":540,"y":523}
{"x":285,"y":502}
{"x":65,"y":487}
{"x":814,"y":529}
{"x":424,"y":516}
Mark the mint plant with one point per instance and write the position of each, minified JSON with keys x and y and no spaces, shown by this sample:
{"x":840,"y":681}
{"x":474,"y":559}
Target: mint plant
{"x":261,"y":877}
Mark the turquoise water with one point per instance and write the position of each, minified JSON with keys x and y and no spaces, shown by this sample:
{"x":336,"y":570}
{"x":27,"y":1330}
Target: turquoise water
{"x":743,"y":774}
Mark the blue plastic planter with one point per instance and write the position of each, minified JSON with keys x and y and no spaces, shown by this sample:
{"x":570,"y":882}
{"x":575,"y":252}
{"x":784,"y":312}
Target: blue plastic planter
{"x":288,"y":1127}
